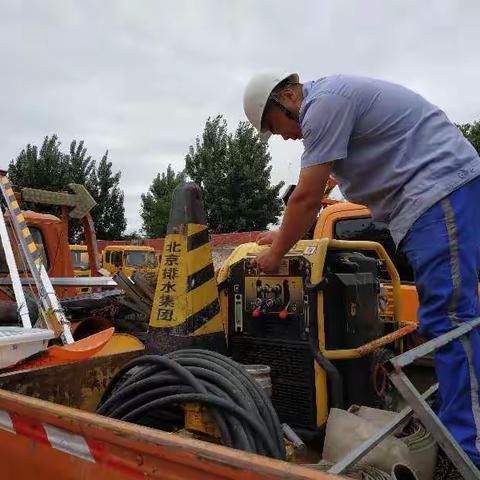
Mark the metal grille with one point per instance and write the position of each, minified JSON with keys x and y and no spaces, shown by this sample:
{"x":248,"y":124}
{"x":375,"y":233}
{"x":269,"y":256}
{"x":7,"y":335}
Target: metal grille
{"x":292,"y":372}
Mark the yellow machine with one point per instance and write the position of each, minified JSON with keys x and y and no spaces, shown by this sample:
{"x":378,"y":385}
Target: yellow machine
{"x":129,"y":259}
{"x":80,"y":261}
{"x":81,"y":265}
{"x":323,"y":323}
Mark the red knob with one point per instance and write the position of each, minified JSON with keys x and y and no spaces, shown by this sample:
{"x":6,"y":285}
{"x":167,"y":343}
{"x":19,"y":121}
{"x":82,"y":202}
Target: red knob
{"x":256,"y":313}
{"x":283,"y":314}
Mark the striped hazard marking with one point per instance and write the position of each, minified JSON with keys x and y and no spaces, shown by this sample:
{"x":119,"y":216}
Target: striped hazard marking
{"x":9,"y":194}
{"x":186,"y":298}
{"x":48,"y":435}
{"x":88,"y":449}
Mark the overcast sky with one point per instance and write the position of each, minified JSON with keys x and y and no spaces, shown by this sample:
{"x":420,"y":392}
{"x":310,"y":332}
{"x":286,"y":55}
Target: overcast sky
{"x":140,"y":78}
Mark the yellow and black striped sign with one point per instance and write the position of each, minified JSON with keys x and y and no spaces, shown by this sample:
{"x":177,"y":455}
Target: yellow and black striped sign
{"x":9,"y":196}
{"x":186,"y":298}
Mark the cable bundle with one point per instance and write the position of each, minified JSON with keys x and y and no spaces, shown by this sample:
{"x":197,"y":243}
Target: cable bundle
{"x":151,"y":389}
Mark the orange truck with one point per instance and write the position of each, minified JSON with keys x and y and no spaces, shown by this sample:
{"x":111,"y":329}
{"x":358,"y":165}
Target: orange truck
{"x":50,"y":236}
{"x":48,"y":430}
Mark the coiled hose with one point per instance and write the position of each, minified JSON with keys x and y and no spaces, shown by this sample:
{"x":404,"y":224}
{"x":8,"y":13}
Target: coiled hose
{"x":151,"y":389}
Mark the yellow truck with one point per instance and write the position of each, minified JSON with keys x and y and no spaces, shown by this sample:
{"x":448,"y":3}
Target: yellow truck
{"x":80,"y":262}
{"x":129,"y":259}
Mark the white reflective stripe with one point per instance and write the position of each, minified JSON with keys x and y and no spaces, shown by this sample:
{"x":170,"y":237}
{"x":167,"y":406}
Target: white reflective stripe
{"x":6,"y":421}
{"x":454,"y":258}
{"x":68,"y":442}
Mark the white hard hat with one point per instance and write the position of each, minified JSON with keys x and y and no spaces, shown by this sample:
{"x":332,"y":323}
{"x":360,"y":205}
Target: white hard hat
{"x":256,"y":96}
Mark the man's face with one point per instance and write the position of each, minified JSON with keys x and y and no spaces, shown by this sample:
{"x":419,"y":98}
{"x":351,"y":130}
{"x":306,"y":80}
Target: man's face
{"x":279,"y":124}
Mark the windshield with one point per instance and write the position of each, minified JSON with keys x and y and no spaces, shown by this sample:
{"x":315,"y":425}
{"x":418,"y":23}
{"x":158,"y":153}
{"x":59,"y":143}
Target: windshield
{"x":21,"y":264}
{"x":141,"y":258}
{"x":79,"y":259}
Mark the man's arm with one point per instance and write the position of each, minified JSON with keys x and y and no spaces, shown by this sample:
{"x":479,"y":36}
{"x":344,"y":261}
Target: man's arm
{"x":302,"y":207}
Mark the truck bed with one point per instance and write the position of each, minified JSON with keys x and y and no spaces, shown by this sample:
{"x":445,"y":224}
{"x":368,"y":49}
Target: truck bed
{"x":48,"y":431}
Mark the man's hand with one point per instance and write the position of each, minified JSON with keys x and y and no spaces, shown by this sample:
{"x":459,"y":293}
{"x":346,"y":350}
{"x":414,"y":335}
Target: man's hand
{"x":266,"y":238}
{"x":302,"y":208}
{"x":268,"y":261}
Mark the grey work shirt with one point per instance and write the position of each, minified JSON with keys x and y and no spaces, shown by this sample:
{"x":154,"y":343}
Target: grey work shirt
{"x":392,"y":150}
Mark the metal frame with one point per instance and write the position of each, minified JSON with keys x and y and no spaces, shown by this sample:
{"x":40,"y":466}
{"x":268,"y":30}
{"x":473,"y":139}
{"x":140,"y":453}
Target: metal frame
{"x":421,"y":408}
{"x":14,"y":276}
{"x":68,"y":282}
{"x":418,"y":405}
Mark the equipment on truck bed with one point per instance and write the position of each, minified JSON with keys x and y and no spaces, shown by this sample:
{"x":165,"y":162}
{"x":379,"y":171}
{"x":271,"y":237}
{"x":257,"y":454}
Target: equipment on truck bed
{"x":319,"y":323}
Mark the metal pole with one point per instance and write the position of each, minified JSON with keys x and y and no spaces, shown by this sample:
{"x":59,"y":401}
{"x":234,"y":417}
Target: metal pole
{"x":15,"y":277}
{"x":410,"y":356}
{"x":439,"y":432}
{"x":68,"y":281}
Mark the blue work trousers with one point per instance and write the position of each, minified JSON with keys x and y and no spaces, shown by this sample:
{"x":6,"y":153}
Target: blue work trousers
{"x":443,"y":247}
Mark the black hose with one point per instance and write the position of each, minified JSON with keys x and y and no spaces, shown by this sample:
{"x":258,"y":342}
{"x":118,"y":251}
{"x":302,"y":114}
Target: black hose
{"x":150,"y":389}
{"x":262,"y":401}
{"x":333,"y":375}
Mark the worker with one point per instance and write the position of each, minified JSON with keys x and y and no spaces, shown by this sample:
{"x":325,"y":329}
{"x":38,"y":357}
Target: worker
{"x":392,"y":150}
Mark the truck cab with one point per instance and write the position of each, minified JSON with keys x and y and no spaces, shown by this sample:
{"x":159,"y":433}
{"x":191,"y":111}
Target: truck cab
{"x":129,"y":259}
{"x":51,"y":238}
{"x":80,"y":261}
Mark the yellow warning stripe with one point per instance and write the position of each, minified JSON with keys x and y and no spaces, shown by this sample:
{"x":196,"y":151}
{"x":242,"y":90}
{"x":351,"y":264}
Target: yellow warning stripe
{"x":200,"y":297}
{"x":214,"y":325}
{"x":195,"y":228}
{"x":198,"y":259}
{"x":15,"y":208}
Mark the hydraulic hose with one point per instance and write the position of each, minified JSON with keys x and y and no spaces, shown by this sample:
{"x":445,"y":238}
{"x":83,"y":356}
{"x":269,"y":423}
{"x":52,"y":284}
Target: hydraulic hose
{"x":151,"y":390}
{"x":333,"y":375}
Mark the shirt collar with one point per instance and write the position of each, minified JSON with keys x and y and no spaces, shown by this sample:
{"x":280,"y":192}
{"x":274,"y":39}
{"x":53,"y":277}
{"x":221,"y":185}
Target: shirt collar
{"x":306,"y":89}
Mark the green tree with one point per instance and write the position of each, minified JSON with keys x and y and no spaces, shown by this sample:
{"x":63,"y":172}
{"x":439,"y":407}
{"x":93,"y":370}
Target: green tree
{"x":155,"y":208}
{"x":49,"y":168}
{"x":471,"y":131}
{"x":234,"y":171}
{"x":109,"y":214}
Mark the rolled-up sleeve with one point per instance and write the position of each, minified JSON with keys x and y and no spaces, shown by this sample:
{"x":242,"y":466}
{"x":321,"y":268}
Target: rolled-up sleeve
{"x":326,"y":126}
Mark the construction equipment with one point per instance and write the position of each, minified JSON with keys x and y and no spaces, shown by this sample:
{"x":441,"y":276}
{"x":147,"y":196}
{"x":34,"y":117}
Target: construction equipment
{"x":81,"y":263}
{"x":80,"y":260}
{"x":129,"y":259}
{"x":318,"y":323}
{"x":340,"y":220}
